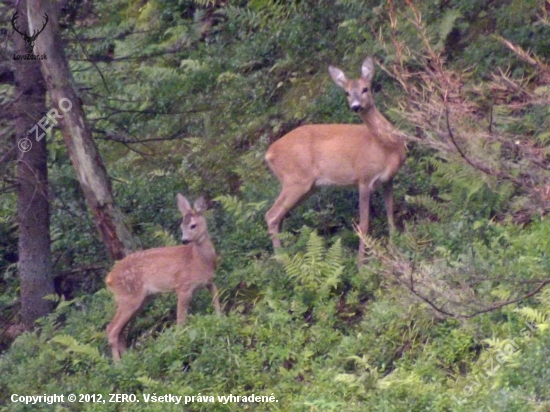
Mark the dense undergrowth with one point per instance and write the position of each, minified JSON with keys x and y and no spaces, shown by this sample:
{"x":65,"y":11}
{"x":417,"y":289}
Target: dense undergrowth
{"x":219,"y":84}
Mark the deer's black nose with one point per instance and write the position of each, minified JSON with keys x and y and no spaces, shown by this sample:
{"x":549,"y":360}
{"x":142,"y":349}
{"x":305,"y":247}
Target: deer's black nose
{"x":356,"y":107}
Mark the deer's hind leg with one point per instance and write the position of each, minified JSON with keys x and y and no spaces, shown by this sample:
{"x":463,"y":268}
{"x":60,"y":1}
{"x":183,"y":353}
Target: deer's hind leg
{"x":127,"y":308}
{"x":290,"y":196}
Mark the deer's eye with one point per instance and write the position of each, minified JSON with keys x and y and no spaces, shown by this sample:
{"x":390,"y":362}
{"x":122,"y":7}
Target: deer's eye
{"x":193,"y":226}
{"x":366,"y":90}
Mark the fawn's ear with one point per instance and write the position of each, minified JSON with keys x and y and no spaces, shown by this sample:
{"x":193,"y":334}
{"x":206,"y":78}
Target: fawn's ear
{"x":200,"y":205}
{"x":338,"y":76}
{"x":367,"y":69}
{"x":183,"y":204}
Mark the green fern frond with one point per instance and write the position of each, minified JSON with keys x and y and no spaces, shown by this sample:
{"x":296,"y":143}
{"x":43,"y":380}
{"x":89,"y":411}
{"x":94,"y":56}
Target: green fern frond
{"x":292,"y":265}
{"x":72,"y":345}
{"x":441,"y":210}
{"x":166,"y":237}
{"x":315,"y":248}
{"x":243,"y":212}
{"x":334,"y":255}
{"x":230,"y":204}
{"x":192,"y":65}
{"x":317,"y":269}
{"x":533,"y":315}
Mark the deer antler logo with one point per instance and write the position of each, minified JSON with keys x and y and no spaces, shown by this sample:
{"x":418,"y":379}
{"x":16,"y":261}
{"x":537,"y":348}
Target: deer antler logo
{"x":29,"y":40}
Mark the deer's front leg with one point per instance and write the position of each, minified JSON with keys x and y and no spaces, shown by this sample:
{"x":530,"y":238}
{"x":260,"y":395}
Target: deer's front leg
{"x":184,"y":298}
{"x":364,"y":212}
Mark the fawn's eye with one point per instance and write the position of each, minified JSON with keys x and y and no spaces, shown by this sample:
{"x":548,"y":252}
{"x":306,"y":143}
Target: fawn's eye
{"x":366,"y":90}
{"x":193,"y":226}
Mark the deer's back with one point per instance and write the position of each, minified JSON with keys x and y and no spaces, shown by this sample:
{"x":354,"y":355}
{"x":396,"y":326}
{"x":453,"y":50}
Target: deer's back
{"x":333,"y":154}
{"x":160,"y":270}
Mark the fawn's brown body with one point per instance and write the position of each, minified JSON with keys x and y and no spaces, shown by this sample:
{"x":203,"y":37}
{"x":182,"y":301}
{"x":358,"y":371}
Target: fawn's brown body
{"x":181,"y":269}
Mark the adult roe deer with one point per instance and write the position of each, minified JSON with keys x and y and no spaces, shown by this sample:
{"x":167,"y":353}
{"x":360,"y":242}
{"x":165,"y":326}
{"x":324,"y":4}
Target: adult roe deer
{"x":182,"y":269}
{"x":338,"y":154}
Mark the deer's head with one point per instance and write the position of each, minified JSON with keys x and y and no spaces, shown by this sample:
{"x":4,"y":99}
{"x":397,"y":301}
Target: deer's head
{"x":193,"y":225}
{"x":358,"y":91}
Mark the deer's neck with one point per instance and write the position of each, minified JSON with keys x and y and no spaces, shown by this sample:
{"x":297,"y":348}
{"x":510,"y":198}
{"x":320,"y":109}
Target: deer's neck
{"x":381,"y":128}
{"x":205,"y":249}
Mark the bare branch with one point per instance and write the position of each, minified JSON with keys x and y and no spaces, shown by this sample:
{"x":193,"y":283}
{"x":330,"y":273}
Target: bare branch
{"x":431,"y":289}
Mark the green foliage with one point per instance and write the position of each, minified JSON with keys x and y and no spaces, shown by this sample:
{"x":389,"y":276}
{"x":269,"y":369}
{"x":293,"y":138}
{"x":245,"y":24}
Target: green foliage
{"x":317,"y":270}
{"x":462,"y":191}
{"x":185,"y":97}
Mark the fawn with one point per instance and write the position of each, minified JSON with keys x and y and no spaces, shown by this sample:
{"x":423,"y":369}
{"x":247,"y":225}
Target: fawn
{"x":181,"y":269}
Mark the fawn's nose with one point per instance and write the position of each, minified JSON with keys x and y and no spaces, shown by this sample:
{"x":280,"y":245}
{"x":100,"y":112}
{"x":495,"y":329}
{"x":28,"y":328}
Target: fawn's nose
{"x":356,"y":107}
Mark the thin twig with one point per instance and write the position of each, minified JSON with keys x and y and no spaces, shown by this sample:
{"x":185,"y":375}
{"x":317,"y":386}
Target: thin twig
{"x":90,"y":60}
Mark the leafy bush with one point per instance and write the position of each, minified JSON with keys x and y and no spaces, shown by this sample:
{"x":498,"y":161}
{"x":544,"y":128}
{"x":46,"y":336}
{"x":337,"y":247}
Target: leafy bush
{"x":186,"y":97}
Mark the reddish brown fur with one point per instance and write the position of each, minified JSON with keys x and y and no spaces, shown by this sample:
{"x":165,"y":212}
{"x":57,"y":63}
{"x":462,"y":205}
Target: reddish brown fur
{"x":182,"y":269}
{"x":338,"y":154}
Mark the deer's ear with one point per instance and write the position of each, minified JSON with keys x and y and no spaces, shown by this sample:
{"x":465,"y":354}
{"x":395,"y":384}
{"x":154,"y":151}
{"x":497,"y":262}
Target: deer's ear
{"x":200,"y":205}
{"x":338,"y":76}
{"x":367,"y":69}
{"x":183,"y":204}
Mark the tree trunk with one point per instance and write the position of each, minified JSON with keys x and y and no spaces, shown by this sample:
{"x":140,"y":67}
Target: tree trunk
{"x":81,"y":147}
{"x":32,"y":178}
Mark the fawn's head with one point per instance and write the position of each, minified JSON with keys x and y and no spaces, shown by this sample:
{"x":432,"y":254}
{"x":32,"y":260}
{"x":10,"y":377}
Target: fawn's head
{"x":358,"y":91}
{"x":193,"y":225}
